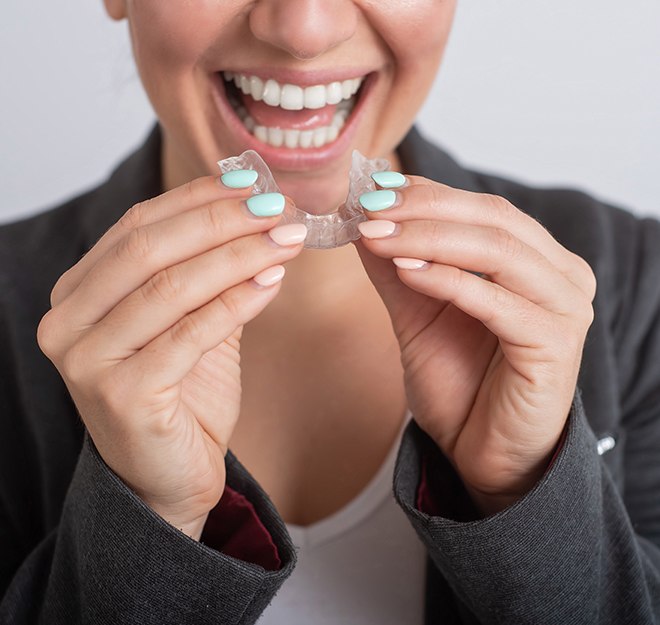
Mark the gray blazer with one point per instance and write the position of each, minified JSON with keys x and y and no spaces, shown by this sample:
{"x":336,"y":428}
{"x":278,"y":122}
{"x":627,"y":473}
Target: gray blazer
{"x":77,"y":546}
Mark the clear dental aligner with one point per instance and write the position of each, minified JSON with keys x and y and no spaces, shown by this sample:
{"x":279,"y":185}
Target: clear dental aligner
{"x":323,"y":231}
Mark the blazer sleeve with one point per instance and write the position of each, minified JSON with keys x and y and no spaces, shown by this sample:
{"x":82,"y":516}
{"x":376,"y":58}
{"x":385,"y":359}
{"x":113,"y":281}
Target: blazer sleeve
{"x":112,"y":560}
{"x":578,"y":548}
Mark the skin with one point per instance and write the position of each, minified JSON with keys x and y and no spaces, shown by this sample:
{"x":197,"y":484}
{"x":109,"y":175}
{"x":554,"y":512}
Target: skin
{"x":146,"y":329}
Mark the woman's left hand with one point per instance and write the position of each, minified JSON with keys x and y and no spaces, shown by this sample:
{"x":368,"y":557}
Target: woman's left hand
{"x":491,"y":363}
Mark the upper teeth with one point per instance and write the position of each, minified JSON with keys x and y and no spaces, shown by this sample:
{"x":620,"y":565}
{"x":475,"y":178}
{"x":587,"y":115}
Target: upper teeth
{"x":294,"y":97}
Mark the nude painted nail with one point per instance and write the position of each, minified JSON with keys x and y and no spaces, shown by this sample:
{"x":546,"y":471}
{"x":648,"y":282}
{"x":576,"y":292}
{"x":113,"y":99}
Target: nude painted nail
{"x":270,"y":276}
{"x":377,"y":229}
{"x":409,"y":263}
{"x":290,"y":234}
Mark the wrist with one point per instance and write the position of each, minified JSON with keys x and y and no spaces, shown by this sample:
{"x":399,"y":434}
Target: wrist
{"x":190,"y":527}
{"x":493,"y":501}
{"x":490,"y":504}
{"x":499,"y":498}
{"x":193,"y":529}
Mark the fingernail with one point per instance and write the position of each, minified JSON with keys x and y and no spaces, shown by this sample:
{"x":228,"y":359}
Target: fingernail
{"x":290,"y":234}
{"x":266,"y":204}
{"x":239,"y":178}
{"x":377,"y":200}
{"x":270,"y":276}
{"x":409,"y":263}
{"x":378,"y":229}
{"x":388,"y":179}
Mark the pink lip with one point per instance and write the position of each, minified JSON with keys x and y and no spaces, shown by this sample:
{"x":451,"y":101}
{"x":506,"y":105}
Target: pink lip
{"x":297,"y":159}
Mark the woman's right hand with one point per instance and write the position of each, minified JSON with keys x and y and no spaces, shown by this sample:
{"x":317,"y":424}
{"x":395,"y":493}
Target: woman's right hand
{"x":145,"y":331}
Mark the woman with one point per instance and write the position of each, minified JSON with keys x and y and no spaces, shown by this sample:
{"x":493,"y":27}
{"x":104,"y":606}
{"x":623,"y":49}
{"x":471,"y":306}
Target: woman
{"x":223,"y":399}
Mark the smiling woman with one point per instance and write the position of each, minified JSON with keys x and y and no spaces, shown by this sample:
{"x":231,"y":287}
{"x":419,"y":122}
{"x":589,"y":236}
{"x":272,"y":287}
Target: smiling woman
{"x":218,"y":425}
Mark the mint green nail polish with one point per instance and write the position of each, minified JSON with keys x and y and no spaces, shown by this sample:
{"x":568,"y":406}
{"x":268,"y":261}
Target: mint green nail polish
{"x":266,"y":204}
{"x":239,"y":178}
{"x":377,"y":200}
{"x":388,"y":179}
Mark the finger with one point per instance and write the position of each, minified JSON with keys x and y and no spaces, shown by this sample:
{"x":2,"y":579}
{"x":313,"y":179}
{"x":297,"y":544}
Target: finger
{"x":396,"y":296}
{"x":422,"y":199}
{"x":495,"y":252}
{"x":515,"y":320}
{"x":179,"y":200}
{"x":512,"y":318}
{"x":177,"y":291}
{"x":168,"y":358}
{"x":145,"y":251}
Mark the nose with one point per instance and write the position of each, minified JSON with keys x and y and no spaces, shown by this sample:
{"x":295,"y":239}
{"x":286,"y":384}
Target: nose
{"x":304,"y":29}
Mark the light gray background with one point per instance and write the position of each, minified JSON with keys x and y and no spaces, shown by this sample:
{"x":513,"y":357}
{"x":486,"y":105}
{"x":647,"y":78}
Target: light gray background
{"x":551,"y":92}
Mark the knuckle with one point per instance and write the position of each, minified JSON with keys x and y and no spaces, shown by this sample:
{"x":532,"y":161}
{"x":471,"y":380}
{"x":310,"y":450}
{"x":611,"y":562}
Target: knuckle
{"x":189,"y":189}
{"x":454,"y":280}
{"x":214,"y":220}
{"x":501,"y":302}
{"x":134,"y":217}
{"x":165,"y":286}
{"x":587,"y":315}
{"x":230,"y":306}
{"x":47,"y":332}
{"x":592,"y":285}
{"x":435,"y":233}
{"x":135,"y":247}
{"x":506,"y":244}
{"x":498,"y":207}
{"x":233,"y":256}
{"x":188,"y":331}
{"x":591,"y":315}
{"x":587,"y":276}
{"x":194,"y":191}
{"x":439,"y":198}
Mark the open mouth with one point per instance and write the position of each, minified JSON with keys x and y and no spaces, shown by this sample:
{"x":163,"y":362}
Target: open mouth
{"x":290,"y":116}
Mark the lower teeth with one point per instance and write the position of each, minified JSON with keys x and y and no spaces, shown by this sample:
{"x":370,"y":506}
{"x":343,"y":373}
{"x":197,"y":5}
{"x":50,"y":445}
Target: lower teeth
{"x":292,"y":138}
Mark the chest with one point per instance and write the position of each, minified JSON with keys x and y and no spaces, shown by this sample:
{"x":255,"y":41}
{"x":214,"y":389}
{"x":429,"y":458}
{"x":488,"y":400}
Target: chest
{"x":313,"y":464}
{"x":318,"y":419}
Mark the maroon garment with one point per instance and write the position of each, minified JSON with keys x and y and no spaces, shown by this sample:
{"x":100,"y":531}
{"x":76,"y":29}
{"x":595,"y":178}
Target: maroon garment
{"x":234,"y":528}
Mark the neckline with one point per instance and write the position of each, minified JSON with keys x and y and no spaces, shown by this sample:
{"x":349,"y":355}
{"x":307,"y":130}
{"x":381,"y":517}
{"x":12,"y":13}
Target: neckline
{"x":356,"y":510}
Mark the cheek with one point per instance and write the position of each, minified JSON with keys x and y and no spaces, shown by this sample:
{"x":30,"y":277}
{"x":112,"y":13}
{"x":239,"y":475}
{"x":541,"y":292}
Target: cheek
{"x":172,"y":34}
{"x":404,"y":26}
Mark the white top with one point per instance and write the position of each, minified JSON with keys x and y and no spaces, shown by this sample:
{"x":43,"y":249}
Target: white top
{"x":363,"y":565}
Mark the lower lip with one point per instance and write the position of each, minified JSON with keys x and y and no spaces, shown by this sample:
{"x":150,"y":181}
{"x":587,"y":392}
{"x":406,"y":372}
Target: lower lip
{"x":293,"y":159}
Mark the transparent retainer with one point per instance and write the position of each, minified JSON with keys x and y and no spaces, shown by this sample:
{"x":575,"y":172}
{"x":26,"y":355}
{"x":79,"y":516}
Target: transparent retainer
{"x":323,"y":231}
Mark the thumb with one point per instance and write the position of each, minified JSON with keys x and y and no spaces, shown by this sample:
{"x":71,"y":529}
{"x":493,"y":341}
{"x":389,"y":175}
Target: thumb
{"x":396,"y":296}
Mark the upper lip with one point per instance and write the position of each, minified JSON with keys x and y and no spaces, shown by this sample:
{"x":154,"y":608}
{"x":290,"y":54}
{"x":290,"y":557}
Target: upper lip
{"x":303,"y":79}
